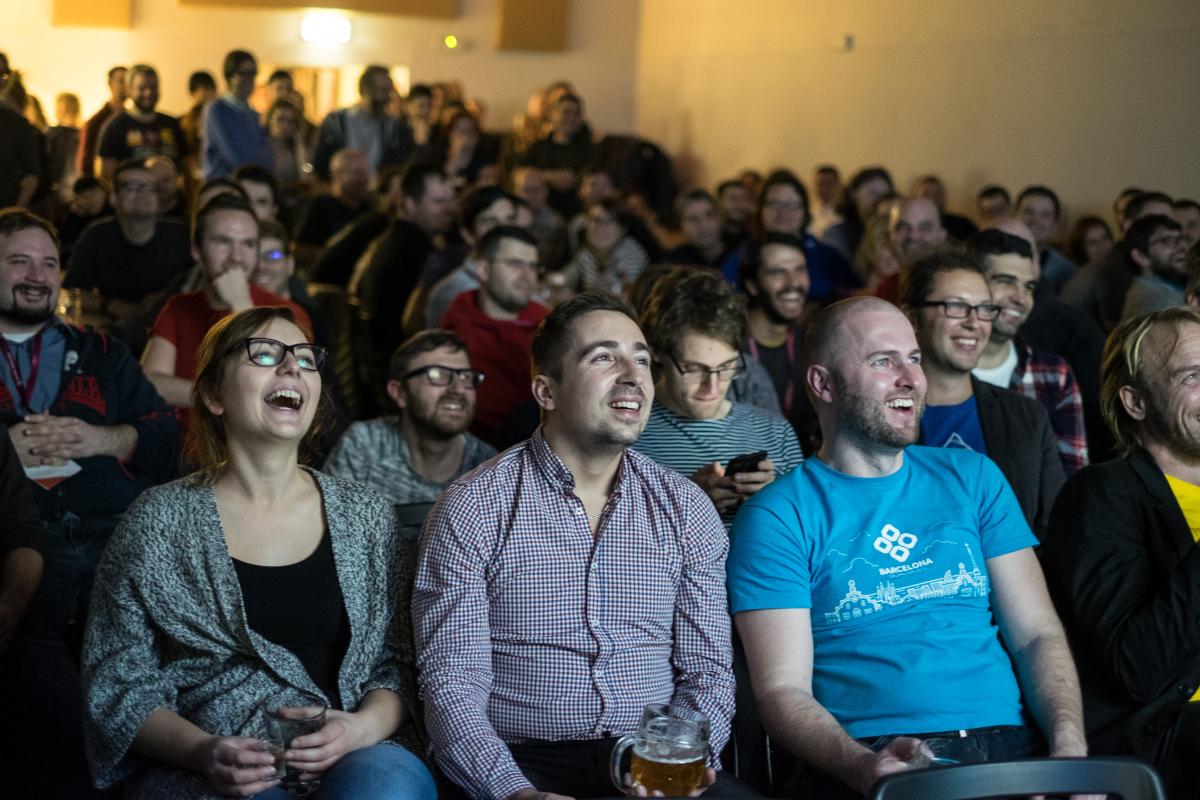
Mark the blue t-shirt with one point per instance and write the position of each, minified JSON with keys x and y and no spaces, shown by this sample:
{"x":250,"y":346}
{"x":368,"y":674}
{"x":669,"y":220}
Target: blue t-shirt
{"x":894,"y":572}
{"x":953,"y":426}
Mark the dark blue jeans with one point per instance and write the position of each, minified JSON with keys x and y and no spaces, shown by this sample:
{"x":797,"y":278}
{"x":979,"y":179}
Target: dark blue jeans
{"x":72,"y":549}
{"x":1001,"y":743}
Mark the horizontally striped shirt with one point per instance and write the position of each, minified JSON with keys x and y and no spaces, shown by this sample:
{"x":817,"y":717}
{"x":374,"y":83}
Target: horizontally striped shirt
{"x":685,"y":445}
{"x":530,"y":627}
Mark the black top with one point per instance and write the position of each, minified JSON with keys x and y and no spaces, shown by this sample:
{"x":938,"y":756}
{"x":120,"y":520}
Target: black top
{"x":22,"y":523}
{"x":1124,"y":572}
{"x":125,"y":137}
{"x":336,"y":263}
{"x":104,"y":260}
{"x":323,"y":217}
{"x":19,"y":154}
{"x":576,"y":155}
{"x":299,"y":607}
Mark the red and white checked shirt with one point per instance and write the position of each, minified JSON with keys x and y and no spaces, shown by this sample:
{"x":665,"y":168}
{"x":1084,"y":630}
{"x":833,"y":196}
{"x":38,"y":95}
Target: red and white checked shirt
{"x":1048,"y":379}
{"x":529,"y":627}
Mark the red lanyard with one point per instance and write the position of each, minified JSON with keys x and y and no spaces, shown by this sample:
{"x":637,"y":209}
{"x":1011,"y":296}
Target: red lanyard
{"x":789,"y":391}
{"x":25,"y":390}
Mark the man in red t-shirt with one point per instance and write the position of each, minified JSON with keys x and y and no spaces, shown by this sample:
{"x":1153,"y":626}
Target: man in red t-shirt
{"x":225,"y":243}
{"x":496,"y":322}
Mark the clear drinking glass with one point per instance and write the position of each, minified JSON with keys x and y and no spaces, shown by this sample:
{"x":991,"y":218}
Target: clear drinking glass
{"x":670,"y":751}
{"x":289,"y":715}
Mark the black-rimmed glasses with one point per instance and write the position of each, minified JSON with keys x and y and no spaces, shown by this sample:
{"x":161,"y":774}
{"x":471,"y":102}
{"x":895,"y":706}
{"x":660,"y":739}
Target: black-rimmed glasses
{"x":443,"y":376}
{"x":957,"y":309}
{"x":696,"y":373}
{"x":271,"y":353}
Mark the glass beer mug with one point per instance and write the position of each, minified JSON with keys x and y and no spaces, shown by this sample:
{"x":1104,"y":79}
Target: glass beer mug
{"x":670,"y":751}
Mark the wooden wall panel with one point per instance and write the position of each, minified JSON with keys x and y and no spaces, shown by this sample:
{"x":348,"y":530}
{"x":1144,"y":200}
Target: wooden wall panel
{"x":92,"y":13}
{"x":532,"y":25}
{"x":437,"y":9}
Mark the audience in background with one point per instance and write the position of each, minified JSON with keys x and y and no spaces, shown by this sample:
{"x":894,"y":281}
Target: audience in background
{"x":225,"y":241}
{"x":866,"y":187}
{"x":133,"y":255}
{"x":1158,"y":248}
{"x":1089,"y":241}
{"x":564,"y":153}
{"x":932,"y":189}
{"x":232,"y":136}
{"x":89,"y":139}
{"x":1039,"y":208}
{"x":993,"y":203}
{"x":139,"y":131}
{"x":608,"y":259}
{"x":496,"y":322}
{"x":366,"y":127}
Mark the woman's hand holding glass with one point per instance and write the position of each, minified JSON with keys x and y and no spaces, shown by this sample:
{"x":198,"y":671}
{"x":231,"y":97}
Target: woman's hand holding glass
{"x":237,"y":766}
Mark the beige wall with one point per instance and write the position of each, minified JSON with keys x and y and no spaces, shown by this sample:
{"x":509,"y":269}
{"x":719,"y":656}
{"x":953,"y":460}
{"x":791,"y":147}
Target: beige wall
{"x":178,"y":40}
{"x":1088,"y":96}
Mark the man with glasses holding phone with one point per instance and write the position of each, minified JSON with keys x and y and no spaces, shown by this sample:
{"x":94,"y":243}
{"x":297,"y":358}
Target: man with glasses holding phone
{"x":696,"y":327}
{"x":410,"y":457}
{"x":947,"y":299}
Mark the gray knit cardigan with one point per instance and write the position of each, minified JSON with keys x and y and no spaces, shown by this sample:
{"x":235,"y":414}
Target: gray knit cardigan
{"x":168,"y":628}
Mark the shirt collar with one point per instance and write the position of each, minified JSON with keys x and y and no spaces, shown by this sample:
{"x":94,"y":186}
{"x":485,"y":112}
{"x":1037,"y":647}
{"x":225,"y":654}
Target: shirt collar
{"x":555,"y":471}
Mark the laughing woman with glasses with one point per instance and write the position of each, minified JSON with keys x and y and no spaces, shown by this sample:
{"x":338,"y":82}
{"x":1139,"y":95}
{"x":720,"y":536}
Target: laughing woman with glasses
{"x":250,"y":579}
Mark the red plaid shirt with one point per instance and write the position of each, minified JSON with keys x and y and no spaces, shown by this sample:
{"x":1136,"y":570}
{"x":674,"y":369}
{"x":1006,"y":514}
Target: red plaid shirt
{"x":1048,"y":379}
{"x":529,"y":627}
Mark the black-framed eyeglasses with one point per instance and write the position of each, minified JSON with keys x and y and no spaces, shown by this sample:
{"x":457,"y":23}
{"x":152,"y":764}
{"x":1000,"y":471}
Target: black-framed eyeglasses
{"x":697,"y":373}
{"x":443,"y":376}
{"x":271,"y":353}
{"x":957,"y":309}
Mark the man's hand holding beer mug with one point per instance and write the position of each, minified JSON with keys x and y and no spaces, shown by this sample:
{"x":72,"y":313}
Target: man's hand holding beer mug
{"x":670,"y":754}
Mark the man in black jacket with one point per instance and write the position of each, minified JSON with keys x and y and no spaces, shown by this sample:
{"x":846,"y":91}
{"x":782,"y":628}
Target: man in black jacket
{"x":1121,"y":558}
{"x":947,"y":298}
{"x":89,"y":428}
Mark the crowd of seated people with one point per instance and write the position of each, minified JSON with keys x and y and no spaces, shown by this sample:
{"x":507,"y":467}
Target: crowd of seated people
{"x":806,"y":450}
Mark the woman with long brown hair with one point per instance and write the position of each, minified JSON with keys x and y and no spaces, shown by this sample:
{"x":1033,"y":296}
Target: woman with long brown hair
{"x":251,"y":578}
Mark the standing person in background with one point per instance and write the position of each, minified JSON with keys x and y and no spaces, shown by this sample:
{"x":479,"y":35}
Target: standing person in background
{"x":62,"y":145}
{"x":89,"y":140}
{"x":20,"y":149}
{"x":866,"y":187}
{"x":202,"y":88}
{"x":139,"y":131}
{"x":366,"y":126}
{"x":233,"y":136}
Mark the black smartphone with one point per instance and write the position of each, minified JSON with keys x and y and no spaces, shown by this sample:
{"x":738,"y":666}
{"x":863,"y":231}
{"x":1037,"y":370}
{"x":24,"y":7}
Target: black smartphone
{"x":746,"y":463}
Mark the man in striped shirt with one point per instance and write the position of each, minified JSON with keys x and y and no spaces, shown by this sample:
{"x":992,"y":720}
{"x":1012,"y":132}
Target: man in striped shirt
{"x":697,"y":328}
{"x":569,"y":582}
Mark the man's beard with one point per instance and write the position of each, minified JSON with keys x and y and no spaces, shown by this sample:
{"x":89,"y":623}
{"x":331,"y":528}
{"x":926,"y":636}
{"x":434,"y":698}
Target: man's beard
{"x":767,"y":303}
{"x":865,"y":418}
{"x":425,"y":417}
{"x":1181,"y":443}
{"x":27,"y":315}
